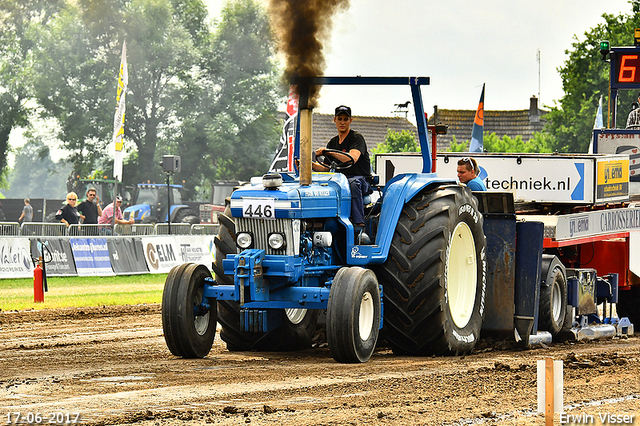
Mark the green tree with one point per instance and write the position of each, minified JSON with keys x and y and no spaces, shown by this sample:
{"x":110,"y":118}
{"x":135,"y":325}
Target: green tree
{"x":18,"y":19}
{"x":585,"y":77}
{"x":233,"y":132}
{"x":35,"y":174}
{"x":539,"y":142}
{"x":403,"y":141}
{"x":458,"y":147}
{"x":77,"y":76}
{"x":209,"y":95}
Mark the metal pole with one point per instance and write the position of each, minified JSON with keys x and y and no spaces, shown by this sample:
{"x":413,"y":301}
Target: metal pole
{"x":168,"y":204}
{"x":115,"y":196}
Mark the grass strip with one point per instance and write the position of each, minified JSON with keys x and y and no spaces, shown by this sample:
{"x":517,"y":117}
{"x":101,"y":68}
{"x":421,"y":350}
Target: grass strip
{"x":64,"y":292}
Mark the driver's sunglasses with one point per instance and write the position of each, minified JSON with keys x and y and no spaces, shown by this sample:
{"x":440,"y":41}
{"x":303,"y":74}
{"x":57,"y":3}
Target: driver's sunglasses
{"x":466,"y":160}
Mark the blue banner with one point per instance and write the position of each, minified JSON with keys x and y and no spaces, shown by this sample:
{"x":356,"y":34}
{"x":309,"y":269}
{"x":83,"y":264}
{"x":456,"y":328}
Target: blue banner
{"x":91,"y":256}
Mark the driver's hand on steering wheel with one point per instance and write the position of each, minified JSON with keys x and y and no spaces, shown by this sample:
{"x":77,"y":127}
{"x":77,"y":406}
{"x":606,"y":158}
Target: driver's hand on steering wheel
{"x":319,"y":167}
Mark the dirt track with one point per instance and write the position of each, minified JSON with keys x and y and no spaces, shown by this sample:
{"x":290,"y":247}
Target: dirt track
{"x":112,"y":366}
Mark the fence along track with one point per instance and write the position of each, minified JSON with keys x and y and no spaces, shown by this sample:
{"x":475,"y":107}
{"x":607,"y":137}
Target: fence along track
{"x":45,"y":229}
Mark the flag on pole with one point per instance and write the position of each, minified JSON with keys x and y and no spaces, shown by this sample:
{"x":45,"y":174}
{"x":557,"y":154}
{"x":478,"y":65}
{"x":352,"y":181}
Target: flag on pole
{"x":478,"y":127}
{"x":283,"y":160}
{"x":118,"y":119}
{"x":597,"y":124}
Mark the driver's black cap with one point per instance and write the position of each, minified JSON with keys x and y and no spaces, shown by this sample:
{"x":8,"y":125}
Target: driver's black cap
{"x":343,"y":109}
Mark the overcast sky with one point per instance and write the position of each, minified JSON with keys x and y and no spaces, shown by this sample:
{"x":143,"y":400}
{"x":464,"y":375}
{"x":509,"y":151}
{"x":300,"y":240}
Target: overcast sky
{"x":460,"y":44}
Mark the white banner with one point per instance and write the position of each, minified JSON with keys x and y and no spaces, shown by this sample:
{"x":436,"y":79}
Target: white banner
{"x":193,"y":249}
{"x":589,"y":224}
{"x":531,"y":177}
{"x":161,"y":253}
{"x":118,"y":119}
{"x":15,"y":258}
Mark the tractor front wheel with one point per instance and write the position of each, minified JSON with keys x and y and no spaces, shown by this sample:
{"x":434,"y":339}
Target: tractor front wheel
{"x":189,"y":326}
{"x":353,"y":315}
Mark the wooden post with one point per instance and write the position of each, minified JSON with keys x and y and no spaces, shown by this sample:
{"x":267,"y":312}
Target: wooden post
{"x":548,"y":379}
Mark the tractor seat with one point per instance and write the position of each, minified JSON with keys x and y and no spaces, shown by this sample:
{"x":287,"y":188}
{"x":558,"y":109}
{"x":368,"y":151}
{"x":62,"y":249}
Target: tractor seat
{"x":373,"y":181}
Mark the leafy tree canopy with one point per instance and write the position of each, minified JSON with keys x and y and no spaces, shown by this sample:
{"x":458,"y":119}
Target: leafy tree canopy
{"x":585,"y":77}
{"x":206,"y":93}
{"x":539,"y":142}
{"x":403,"y":141}
{"x":35,"y":174}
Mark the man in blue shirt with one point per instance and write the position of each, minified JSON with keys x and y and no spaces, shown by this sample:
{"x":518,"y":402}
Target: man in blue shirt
{"x":467,"y":174}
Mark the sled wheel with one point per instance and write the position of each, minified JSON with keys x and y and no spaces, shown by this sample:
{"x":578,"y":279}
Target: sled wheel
{"x":553,"y":295}
{"x":353,"y":315}
{"x":189,"y":327}
{"x":434,"y":278}
{"x":298,"y":325}
{"x":628,"y":304}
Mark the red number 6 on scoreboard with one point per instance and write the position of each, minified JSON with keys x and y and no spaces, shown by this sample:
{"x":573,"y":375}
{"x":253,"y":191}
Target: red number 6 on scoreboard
{"x":627,"y":68}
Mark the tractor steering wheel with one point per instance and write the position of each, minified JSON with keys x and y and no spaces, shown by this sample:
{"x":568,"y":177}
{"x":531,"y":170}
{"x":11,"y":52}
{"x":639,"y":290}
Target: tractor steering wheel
{"x":333,"y":162}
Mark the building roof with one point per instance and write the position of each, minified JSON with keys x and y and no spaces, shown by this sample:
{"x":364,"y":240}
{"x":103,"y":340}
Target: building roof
{"x":514,"y":123}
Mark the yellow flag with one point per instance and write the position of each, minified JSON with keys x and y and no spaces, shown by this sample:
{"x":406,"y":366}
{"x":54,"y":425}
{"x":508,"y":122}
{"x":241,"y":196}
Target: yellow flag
{"x":118,"y":119}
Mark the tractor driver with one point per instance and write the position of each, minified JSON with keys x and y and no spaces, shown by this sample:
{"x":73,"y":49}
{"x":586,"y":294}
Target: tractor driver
{"x":353,"y":143}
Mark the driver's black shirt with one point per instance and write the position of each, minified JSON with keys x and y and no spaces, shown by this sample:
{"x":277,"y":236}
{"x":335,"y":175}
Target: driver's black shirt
{"x":354,"y":140}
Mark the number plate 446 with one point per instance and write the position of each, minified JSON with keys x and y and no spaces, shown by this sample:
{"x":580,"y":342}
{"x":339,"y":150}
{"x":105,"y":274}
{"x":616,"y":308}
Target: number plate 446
{"x":258,"y":208}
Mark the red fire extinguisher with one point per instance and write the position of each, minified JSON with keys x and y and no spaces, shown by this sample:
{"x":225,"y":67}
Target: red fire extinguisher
{"x":38,"y":287}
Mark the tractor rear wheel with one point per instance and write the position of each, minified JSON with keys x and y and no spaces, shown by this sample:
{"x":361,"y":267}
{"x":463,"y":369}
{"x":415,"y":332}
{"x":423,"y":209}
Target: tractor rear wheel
{"x":298,"y":325}
{"x":187,"y":216}
{"x":353,"y":315}
{"x":434,"y":278}
{"x":189,"y":328}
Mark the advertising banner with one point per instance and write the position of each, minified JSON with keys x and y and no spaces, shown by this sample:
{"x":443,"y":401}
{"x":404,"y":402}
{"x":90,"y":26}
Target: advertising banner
{"x":194,"y":249}
{"x":57,"y":255}
{"x":566,"y":178}
{"x":127,"y":256}
{"x":91,"y":256}
{"x":588,"y":224}
{"x":15,"y":258}
{"x":612,"y":179}
{"x":161,"y":254}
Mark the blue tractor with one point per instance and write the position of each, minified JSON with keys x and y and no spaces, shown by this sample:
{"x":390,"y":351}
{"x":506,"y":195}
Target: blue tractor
{"x":150,"y":202}
{"x":286,"y":250}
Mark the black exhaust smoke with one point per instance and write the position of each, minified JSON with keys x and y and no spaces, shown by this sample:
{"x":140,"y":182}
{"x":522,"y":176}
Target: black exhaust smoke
{"x":303,"y":27}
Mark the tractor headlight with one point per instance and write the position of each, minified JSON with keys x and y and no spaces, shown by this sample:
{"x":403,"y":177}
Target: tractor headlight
{"x":244,"y":240}
{"x":276,"y":241}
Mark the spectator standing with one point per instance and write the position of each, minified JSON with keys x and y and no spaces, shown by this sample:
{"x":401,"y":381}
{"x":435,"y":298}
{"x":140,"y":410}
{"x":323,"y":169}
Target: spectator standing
{"x":633,"y":119}
{"x":90,"y":209}
{"x":27,"y":212}
{"x":107,"y":216}
{"x":68,"y":214}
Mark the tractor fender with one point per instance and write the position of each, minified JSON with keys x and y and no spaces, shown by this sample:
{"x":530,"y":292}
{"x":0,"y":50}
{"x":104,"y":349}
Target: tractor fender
{"x":397,"y":192}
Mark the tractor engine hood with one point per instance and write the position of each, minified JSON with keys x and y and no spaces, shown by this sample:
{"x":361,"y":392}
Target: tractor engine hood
{"x":327,"y":196}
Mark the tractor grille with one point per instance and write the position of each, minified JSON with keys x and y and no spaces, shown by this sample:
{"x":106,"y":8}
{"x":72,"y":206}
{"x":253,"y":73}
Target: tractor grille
{"x":262,"y":228}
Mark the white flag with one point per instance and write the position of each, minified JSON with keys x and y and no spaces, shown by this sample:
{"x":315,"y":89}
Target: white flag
{"x":597,"y":124}
{"x":118,"y":119}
